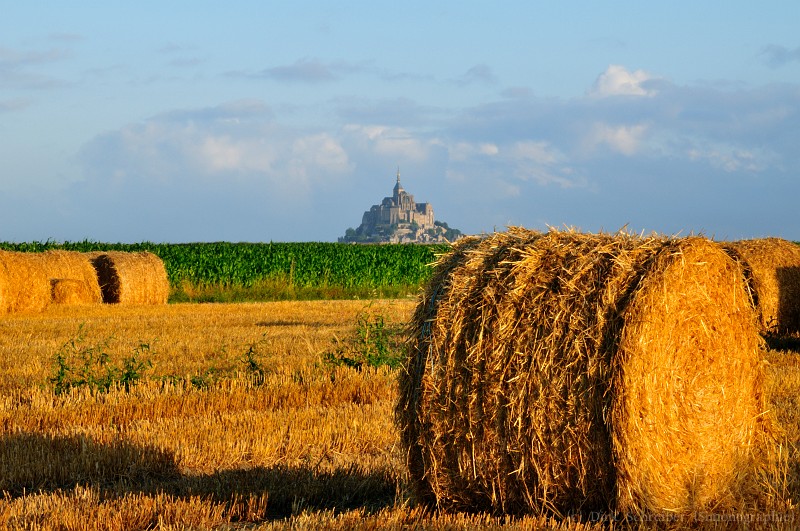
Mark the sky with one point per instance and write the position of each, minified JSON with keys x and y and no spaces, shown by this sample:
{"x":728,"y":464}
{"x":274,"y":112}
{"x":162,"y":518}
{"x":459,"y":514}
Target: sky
{"x":193,"y":121}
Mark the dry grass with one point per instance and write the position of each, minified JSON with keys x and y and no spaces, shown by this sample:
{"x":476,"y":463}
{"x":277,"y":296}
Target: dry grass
{"x":305,"y":437}
{"x":309,"y":447}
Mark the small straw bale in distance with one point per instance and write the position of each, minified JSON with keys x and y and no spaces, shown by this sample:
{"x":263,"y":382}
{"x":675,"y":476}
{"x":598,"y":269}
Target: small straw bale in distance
{"x":131,"y":278}
{"x":24,"y":286}
{"x":71,"y":292}
{"x":71,"y":276}
{"x":772,"y":266}
{"x":562,"y":372}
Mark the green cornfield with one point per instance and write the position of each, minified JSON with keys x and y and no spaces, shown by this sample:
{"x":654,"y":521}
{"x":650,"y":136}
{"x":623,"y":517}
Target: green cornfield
{"x":301,"y":264}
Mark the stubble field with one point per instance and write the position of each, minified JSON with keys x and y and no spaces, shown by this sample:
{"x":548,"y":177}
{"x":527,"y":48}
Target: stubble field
{"x":233,"y":418}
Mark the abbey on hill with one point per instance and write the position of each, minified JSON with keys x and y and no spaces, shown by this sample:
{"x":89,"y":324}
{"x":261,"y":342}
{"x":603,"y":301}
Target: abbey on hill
{"x":399,"y":219}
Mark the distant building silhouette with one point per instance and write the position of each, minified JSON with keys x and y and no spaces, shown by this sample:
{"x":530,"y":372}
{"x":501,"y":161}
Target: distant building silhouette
{"x":399,"y":219}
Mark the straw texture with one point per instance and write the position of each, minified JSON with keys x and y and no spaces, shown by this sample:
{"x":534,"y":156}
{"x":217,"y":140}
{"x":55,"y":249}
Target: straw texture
{"x":23,"y":283}
{"x":563,"y":372}
{"x":71,"y":292}
{"x":73,"y":279}
{"x":773,"y":268}
{"x":131,"y":278}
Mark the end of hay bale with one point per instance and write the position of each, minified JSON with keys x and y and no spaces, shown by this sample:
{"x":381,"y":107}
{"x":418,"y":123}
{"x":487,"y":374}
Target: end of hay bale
{"x":75,"y":267}
{"x":68,"y":291}
{"x":687,"y":386}
{"x":24,"y":286}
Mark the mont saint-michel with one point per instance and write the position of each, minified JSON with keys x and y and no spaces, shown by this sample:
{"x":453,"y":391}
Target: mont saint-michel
{"x":399,"y":219}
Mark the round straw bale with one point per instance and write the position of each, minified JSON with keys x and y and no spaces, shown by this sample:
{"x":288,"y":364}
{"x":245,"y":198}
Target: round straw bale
{"x":70,"y":291}
{"x":772,"y":265}
{"x":72,"y":268}
{"x":131,"y":278}
{"x":572,"y":372}
{"x":23,"y":283}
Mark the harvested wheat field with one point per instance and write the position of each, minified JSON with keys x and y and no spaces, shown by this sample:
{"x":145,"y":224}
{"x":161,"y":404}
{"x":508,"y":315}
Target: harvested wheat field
{"x":228,"y":416}
{"x":773,"y":267}
{"x":565,"y":372}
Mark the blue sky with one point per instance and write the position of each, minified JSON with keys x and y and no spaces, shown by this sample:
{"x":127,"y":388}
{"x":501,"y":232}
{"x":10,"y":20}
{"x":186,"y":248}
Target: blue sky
{"x":284,"y":121}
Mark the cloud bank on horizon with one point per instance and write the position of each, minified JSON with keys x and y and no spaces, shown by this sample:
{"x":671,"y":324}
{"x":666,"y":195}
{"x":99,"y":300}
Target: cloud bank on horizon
{"x":295,"y":147}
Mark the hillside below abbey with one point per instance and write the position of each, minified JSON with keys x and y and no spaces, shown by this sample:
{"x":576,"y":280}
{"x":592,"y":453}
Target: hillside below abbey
{"x":400,"y":219}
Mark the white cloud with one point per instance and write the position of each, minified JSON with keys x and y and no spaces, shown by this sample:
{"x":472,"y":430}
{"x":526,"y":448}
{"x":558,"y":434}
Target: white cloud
{"x":625,"y":139}
{"x":536,"y":161}
{"x":455,"y":176}
{"x":488,"y":149}
{"x":316,"y":155}
{"x":542,"y":163}
{"x":507,"y":189}
{"x":730,"y":158}
{"x":221,"y":153}
{"x":218,"y":154}
{"x":391,"y":142}
{"x":460,"y":151}
{"x":219,"y":145}
{"x":618,"y":81}
{"x":538,"y":152}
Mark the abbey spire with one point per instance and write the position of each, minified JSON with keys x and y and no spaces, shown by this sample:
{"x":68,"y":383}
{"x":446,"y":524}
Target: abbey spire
{"x":398,"y":188}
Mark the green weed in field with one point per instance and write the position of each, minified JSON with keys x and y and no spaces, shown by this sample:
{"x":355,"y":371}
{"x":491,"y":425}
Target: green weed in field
{"x":373,"y":343}
{"x":77,"y":364}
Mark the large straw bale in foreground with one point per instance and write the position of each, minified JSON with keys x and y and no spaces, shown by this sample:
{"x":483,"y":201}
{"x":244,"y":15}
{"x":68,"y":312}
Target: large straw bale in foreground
{"x":773,"y":267}
{"x":131,"y":278}
{"x":571,"y":372}
{"x":24,"y":286}
{"x":72,"y":278}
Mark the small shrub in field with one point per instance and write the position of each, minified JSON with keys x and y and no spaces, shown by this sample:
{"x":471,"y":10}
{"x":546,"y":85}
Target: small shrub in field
{"x":256,"y":372}
{"x":373,"y":343}
{"x":203,"y":381}
{"x":77,"y":364}
{"x":134,"y":366}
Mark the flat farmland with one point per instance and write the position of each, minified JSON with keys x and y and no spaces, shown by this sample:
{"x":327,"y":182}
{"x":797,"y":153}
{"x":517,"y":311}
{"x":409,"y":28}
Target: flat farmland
{"x":228,"y":416}
{"x":197,"y":441}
